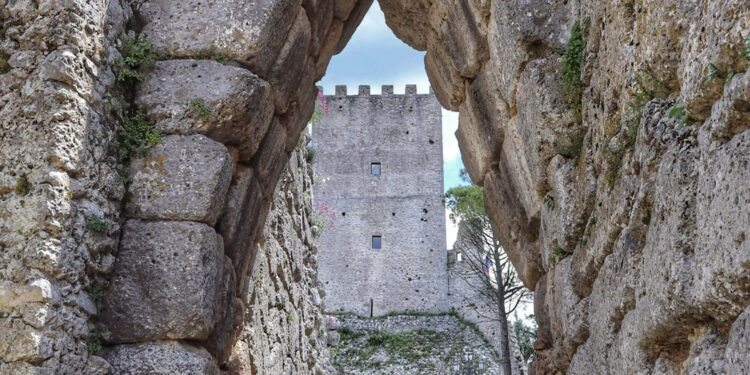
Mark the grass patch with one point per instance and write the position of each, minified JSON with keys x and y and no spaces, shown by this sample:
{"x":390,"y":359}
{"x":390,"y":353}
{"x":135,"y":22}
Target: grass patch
{"x":97,"y":225}
{"x":572,"y":84}
{"x":96,"y":291}
{"x":557,"y":255}
{"x":198,"y":107}
{"x":138,"y":57}
{"x":137,"y":137}
{"x":412,"y":345}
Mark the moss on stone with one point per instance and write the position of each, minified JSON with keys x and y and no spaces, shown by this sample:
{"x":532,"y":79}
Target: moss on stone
{"x":4,"y":66}
{"x":572,"y":84}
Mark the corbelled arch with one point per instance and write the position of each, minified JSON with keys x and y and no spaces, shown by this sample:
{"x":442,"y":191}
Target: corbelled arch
{"x":611,"y":139}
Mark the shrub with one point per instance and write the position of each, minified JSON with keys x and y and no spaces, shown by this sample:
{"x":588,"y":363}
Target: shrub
{"x":557,"y":255}
{"x":310,"y":153}
{"x":96,"y":291}
{"x":137,"y":137}
{"x":677,"y":112}
{"x":94,"y":345}
{"x":138,"y":57}
{"x":97,"y":225}
{"x":572,"y":68}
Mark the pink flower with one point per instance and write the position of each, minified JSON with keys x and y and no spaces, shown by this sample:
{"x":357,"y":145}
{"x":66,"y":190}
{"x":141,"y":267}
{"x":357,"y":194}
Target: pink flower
{"x":323,"y":103}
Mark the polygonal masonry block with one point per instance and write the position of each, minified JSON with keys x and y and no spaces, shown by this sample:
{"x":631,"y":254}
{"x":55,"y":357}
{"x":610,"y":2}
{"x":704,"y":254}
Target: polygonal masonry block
{"x":167,"y":282}
{"x":161,"y":358}
{"x":226,"y":103}
{"x":290,"y":65}
{"x":251,"y":32}
{"x":182,"y":178}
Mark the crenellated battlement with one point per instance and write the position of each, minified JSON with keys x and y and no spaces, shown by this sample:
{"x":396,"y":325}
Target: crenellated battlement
{"x":385,"y":90}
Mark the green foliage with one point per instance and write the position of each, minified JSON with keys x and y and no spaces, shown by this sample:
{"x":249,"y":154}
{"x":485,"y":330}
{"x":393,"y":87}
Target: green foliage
{"x":4,"y":66}
{"x":273,"y":81}
{"x":526,"y":335}
{"x":94,"y":345}
{"x":713,"y":73}
{"x":746,"y":51}
{"x":571,"y":71}
{"x":678,"y":112}
{"x":572,"y":148}
{"x":465,"y":203}
{"x":411,"y":345}
{"x":316,"y":116}
{"x":614,"y":161}
{"x":310,"y":152}
{"x":631,"y":134}
{"x":137,"y":137}
{"x":557,"y":255}
{"x":97,"y":225}
{"x":23,"y":186}
{"x":199,"y":108}
{"x":96,"y":291}
{"x":220,"y":57}
{"x":138,"y":57}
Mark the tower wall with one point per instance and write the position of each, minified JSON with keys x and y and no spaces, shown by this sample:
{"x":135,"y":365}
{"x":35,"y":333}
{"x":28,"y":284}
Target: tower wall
{"x":403,"y":204}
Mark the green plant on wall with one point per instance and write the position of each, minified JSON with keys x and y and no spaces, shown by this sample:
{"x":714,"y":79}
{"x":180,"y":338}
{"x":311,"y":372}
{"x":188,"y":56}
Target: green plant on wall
{"x":97,"y":225}
{"x":199,"y":108}
{"x":678,"y":112}
{"x":23,"y":186}
{"x":137,"y":137}
{"x":4,"y":66}
{"x":746,"y":51}
{"x":138,"y":57}
{"x":572,"y":84}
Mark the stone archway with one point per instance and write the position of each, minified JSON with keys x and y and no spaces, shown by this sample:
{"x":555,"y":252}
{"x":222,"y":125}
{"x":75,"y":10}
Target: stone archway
{"x":619,"y":194}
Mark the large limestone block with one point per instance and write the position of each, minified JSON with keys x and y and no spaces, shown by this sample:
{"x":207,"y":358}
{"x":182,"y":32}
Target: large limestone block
{"x":251,"y":32}
{"x":352,"y":22}
{"x":271,"y":159}
{"x":446,"y":80}
{"x":482,"y":119}
{"x":320,"y":13}
{"x":167,"y":282}
{"x":291,"y":64}
{"x":182,"y":178}
{"x":716,"y":37}
{"x":464,"y":36}
{"x":516,"y":230}
{"x":226,"y":103}
{"x":161,"y":358}
{"x":738,"y":346}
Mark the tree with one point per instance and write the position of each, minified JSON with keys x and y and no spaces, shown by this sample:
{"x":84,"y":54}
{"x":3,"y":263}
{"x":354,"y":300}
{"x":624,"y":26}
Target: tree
{"x":487,"y":269}
{"x":526,"y":335}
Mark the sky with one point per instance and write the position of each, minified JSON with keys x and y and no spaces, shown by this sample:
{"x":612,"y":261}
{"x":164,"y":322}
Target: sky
{"x":375,"y":57}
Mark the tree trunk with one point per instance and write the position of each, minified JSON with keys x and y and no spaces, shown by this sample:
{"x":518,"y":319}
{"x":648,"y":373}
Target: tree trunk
{"x":503,"y":318}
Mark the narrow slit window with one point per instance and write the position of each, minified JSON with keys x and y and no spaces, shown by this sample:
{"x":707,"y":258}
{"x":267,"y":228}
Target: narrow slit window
{"x":375,"y":169}
{"x":377,"y":242}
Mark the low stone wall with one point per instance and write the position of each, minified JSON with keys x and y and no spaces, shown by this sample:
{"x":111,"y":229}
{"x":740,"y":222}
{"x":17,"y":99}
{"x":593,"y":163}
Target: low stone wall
{"x":412,"y":344}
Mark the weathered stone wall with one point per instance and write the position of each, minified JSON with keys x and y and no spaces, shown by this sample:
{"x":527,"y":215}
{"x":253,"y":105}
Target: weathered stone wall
{"x":57,"y":176}
{"x":652,"y":207}
{"x":195,"y":202}
{"x":628,"y":217}
{"x":403,"y":204}
{"x":283,"y":328}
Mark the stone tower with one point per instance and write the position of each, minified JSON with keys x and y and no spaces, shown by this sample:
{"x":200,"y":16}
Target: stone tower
{"x":379,"y":168}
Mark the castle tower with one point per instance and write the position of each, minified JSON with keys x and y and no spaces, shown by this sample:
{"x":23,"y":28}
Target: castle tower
{"x":379,"y":168}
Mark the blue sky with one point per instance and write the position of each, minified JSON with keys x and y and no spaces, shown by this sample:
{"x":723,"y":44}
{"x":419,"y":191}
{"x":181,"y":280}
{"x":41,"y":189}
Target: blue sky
{"x":375,"y":57}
